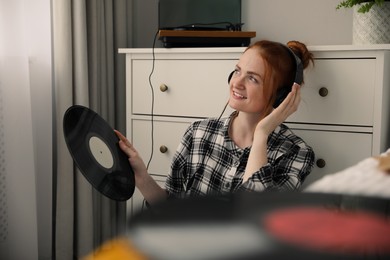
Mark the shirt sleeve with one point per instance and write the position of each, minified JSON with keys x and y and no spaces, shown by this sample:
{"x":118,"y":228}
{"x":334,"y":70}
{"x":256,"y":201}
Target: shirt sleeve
{"x":177,"y":178}
{"x":283,"y":173}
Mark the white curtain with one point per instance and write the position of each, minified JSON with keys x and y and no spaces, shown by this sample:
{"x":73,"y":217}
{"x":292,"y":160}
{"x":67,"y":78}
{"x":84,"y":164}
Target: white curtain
{"x":88,"y":71}
{"x":55,"y":53}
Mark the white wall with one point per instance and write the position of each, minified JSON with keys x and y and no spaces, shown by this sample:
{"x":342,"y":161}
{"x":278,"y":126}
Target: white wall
{"x":314,"y":22}
{"x":26,"y":129}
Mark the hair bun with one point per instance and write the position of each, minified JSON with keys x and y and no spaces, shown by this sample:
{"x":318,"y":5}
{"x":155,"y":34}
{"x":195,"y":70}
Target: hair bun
{"x":302,"y":52}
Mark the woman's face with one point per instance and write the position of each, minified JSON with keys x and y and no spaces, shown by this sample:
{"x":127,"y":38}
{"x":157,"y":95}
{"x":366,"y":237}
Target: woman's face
{"x":246,"y":84}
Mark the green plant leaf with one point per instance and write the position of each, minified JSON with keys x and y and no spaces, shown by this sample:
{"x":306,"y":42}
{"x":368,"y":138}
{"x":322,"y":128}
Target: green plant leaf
{"x":364,"y":8}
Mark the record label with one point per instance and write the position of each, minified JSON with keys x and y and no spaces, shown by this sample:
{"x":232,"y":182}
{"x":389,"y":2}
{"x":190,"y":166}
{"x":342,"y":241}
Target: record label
{"x":95,"y":149}
{"x":101,"y":152}
{"x":341,"y":231}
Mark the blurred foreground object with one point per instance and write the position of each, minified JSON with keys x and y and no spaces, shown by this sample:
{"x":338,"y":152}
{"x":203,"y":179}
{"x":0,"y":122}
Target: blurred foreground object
{"x":117,"y":249}
{"x":369,"y":177}
{"x":268,"y":225}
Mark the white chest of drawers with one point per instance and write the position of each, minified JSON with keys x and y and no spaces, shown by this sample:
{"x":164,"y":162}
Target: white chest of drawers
{"x":344,"y":113}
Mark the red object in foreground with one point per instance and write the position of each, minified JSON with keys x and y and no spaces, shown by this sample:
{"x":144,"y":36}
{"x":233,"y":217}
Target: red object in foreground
{"x":330,"y":230}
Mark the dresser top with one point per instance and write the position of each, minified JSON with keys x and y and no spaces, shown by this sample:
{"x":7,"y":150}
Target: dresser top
{"x":374,"y":47}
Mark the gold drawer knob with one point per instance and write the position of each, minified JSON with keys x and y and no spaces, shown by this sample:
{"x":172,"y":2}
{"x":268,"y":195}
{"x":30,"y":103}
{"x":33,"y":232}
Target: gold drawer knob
{"x":321,"y":163}
{"x":163,"y":149}
{"x":323,"y":92}
{"x":163,"y":87}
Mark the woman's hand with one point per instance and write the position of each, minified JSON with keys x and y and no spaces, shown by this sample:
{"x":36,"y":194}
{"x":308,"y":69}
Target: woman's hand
{"x":258,"y":154}
{"x":135,"y":160}
{"x":289,"y":105}
{"x":149,"y":188}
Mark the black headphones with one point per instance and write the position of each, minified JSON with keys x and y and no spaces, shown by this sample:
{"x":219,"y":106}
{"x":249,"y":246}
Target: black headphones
{"x":284,"y":90}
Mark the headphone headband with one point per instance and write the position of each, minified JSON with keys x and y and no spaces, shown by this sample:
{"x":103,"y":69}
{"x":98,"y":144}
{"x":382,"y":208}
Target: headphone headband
{"x":298,"y":66}
{"x":284,"y":90}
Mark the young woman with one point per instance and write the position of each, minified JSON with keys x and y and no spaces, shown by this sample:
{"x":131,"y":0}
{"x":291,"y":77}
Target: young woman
{"x":251,"y":150}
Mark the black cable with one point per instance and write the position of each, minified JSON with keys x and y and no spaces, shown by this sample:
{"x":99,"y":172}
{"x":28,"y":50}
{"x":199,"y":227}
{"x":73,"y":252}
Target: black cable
{"x":223,"y":111}
{"x":144,"y":203}
{"x":152,"y":101}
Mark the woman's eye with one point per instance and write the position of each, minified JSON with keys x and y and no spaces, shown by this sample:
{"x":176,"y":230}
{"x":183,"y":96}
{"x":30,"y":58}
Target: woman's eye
{"x":253,"y":79}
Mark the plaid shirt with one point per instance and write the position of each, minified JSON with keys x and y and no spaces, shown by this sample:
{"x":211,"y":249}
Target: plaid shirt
{"x":208,"y":162}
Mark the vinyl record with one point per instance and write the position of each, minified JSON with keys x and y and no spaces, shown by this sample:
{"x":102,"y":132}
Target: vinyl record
{"x":95,"y":150}
{"x":268,"y":225}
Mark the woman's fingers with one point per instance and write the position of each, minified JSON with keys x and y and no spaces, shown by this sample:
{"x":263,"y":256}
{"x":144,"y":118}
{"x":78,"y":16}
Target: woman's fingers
{"x":297,"y":96}
{"x":123,"y":138}
{"x":291,"y":103}
{"x":125,"y":144}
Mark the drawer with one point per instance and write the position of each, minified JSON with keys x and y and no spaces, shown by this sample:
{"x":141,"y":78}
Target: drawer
{"x":166,"y":134}
{"x":196,"y":88}
{"x":347,"y":89}
{"x":336,"y":150}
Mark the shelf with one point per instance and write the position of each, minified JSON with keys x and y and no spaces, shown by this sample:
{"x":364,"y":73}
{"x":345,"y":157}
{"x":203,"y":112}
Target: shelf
{"x":196,"y":38}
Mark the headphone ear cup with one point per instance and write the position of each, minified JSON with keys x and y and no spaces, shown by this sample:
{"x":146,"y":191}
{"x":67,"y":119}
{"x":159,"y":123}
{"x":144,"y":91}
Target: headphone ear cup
{"x":281,"y":95}
{"x":230,"y":76}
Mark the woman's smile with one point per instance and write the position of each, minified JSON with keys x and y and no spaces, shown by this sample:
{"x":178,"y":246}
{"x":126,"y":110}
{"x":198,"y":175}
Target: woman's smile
{"x":238,"y":95}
